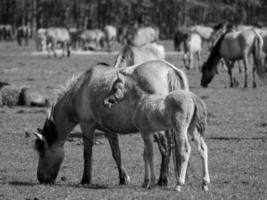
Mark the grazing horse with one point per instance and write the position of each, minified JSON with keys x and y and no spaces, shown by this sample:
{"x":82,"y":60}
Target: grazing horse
{"x":55,"y":36}
{"x":180,"y":111}
{"x":131,"y":55}
{"x":23,"y":32}
{"x":93,"y":37}
{"x":234,"y":46}
{"x":80,"y":103}
{"x":192,"y":46}
{"x":110,"y":35}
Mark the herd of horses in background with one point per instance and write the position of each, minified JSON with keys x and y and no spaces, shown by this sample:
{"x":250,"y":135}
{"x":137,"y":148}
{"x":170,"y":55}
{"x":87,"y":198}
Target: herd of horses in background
{"x":141,"y":92}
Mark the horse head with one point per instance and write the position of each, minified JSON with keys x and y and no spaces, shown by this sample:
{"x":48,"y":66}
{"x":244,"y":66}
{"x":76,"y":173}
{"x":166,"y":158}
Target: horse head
{"x":207,"y":75}
{"x":117,"y":92}
{"x":51,"y":154}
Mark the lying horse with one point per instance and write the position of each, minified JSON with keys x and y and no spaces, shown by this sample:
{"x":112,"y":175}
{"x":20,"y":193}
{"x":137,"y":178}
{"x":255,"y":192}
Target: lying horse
{"x":131,"y":55}
{"x":192,"y":46}
{"x":55,"y":36}
{"x":234,"y":46}
{"x":180,"y":111}
{"x":80,"y":104}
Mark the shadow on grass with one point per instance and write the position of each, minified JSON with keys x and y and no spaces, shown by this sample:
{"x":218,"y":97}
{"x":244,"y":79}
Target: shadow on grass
{"x":236,"y":138}
{"x":91,"y":186}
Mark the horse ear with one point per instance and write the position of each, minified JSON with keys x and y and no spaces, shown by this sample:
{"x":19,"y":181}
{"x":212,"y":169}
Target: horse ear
{"x":38,"y":135}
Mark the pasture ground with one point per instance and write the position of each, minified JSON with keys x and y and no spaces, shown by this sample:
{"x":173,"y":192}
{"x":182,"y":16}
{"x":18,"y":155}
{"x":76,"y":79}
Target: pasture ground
{"x":236,"y":137}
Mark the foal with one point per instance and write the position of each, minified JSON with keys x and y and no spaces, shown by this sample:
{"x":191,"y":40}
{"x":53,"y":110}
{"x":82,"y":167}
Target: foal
{"x":180,"y":111}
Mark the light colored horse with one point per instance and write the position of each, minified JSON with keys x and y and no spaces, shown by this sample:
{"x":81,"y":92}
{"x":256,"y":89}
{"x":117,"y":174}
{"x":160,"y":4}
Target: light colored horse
{"x":80,"y":103}
{"x":56,"y":35}
{"x":93,"y":37}
{"x":180,"y":111}
{"x":132,"y":55}
{"x":142,"y":36}
{"x":110,"y":35}
{"x":192,"y":47}
{"x":234,"y":46}
{"x":40,"y":39}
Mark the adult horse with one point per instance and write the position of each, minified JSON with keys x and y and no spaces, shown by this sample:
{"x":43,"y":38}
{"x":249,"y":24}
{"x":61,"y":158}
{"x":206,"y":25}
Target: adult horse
{"x":142,"y":36}
{"x":110,"y":35}
{"x":192,"y":47}
{"x":80,"y":104}
{"x":58,"y":35}
{"x":23,"y":32}
{"x":131,"y":55}
{"x":180,"y":111}
{"x":94,"y":38}
{"x":234,"y":46}
{"x":40,"y":39}
{"x":179,"y":37}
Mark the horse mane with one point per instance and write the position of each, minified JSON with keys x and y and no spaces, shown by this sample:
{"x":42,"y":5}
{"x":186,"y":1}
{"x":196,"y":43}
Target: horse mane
{"x":125,"y":56}
{"x":215,"y":54}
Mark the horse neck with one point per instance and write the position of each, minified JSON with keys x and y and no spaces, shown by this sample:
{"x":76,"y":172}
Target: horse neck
{"x":63,"y":119}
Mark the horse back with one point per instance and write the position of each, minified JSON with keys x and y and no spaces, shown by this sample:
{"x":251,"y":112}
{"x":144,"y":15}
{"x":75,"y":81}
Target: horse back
{"x":58,"y":34}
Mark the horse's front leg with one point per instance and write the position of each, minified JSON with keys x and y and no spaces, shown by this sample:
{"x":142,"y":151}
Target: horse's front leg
{"x":254,"y":84}
{"x":88,"y":133}
{"x":246,"y":71}
{"x":163,"y":139}
{"x":116,"y":153}
{"x":230,"y":66}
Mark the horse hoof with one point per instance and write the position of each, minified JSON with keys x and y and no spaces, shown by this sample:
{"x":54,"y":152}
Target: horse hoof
{"x":163,"y":182}
{"x":125,"y":180}
{"x":146,"y":185}
{"x":85,"y":181}
{"x":178,"y":188}
{"x":254,"y":85}
{"x":205,"y":188}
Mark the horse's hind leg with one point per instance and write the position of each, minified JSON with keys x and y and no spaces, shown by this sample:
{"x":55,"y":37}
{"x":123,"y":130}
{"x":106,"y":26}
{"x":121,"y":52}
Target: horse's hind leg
{"x":203,"y":151}
{"x":114,"y":145}
{"x":230,"y":66}
{"x":163,"y":139}
{"x":88,"y":139}
{"x":149,"y":160}
{"x":246,"y":70}
{"x":254,"y":84}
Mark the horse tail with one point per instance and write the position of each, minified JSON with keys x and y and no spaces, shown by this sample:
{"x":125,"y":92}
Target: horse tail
{"x":257,"y":52}
{"x":178,"y":80}
{"x":200,"y":114}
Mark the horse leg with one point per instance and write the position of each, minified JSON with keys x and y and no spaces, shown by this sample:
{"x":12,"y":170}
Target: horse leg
{"x":203,"y":151}
{"x":149,"y":160}
{"x":54,"y":48}
{"x":191,"y":61}
{"x":163,"y":139}
{"x":199,"y":60}
{"x":185,"y":57}
{"x":246,"y":70}
{"x":182,"y":151}
{"x":88,"y":139}
{"x":68,"y":49}
{"x":115,"y":148}
{"x":230,"y":66}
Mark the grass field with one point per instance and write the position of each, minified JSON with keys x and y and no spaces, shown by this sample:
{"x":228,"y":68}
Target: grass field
{"x":236,"y":137}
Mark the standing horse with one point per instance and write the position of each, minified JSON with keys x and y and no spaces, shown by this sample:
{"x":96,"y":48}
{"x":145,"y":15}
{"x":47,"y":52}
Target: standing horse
{"x":23,"y":32}
{"x":40,"y":39}
{"x":55,"y":36}
{"x":234,"y":46}
{"x":110,"y":35}
{"x":180,"y":111}
{"x":179,"y":37}
{"x":131,"y":55}
{"x":141,"y":36}
{"x":80,"y":104}
{"x":192,"y":46}
{"x":94,"y":38}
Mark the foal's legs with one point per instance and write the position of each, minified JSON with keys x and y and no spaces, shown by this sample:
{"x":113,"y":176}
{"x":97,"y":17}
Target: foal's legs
{"x":183,"y":150}
{"x":203,"y":151}
{"x":88,"y":139}
{"x":149,"y":160}
{"x":115,"y":148}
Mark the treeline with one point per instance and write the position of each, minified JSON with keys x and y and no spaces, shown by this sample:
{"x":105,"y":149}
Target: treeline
{"x":166,"y":14}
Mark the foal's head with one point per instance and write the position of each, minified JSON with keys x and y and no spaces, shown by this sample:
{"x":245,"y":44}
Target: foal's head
{"x":117,"y":92}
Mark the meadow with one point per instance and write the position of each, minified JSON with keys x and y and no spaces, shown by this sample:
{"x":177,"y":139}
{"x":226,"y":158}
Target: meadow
{"x":236,"y":137}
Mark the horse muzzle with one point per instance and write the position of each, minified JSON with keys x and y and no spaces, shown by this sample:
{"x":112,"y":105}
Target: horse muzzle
{"x":108,"y":103}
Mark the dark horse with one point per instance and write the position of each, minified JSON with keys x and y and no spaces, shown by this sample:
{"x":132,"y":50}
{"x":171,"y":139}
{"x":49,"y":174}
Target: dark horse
{"x":80,"y":103}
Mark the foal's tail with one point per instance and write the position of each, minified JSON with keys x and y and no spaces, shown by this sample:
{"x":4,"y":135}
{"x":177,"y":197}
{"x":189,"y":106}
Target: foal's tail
{"x":257,"y":53}
{"x":200,"y":114}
